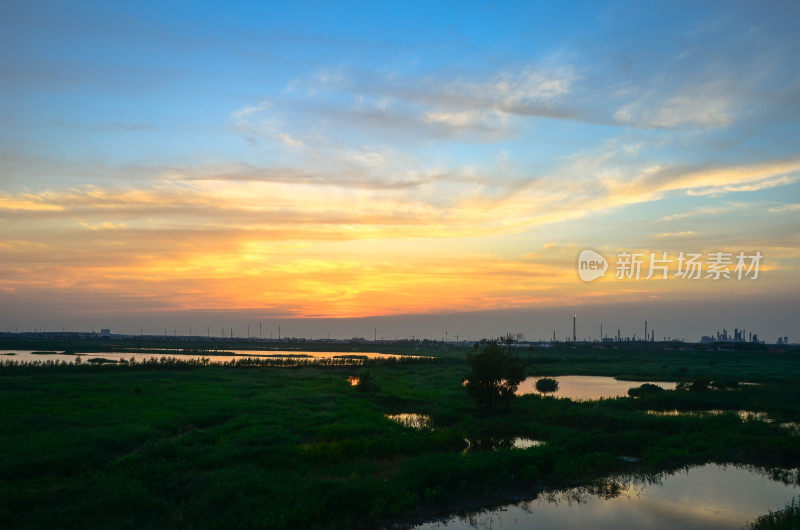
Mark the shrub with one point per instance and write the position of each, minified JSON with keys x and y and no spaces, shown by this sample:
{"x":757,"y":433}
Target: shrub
{"x":788,"y":517}
{"x":546,"y":385}
{"x":701,"y":384}
{"x":647,"y":388}
{"x":364,"y":380}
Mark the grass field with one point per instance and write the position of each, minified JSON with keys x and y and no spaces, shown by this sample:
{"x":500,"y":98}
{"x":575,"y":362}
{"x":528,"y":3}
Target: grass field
{"x":278,"y":447}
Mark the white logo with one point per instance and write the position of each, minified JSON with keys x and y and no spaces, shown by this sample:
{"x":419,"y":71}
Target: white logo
{"x":591,"y":265}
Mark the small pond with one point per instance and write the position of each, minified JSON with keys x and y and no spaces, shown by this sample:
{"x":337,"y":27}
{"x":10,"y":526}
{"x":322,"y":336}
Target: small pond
{"x":411,"y":420}
{"x":495,"y":443}
{"x":587,"y":387}
{"x":703,"y":497}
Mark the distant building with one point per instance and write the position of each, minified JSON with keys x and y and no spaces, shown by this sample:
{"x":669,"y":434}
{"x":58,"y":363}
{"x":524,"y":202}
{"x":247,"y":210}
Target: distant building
{"x":105,"y":332}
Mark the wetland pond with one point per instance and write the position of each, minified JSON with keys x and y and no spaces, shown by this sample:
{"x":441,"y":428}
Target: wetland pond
{"x":705,"y":497}
{"x":587,"y":387}
{"x":212,"y":356}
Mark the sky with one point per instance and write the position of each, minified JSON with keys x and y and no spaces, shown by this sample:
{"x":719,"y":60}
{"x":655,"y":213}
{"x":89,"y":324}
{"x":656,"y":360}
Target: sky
{"x":414,"y":167}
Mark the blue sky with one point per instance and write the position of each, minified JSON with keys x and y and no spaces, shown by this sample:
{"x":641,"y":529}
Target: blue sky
{"x":510,"y":133}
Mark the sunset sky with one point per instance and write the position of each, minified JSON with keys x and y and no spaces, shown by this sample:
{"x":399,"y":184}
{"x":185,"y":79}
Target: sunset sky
{"x":411,"y":167}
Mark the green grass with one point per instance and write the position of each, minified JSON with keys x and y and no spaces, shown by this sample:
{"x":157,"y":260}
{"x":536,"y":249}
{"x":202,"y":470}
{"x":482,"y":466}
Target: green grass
{"x":282,"y":447}
{"x":787,"y":518}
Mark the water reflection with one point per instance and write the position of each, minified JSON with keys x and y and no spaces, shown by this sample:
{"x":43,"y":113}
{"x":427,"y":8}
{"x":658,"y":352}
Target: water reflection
{"x":588,"y":387}
{"x":411,"y":420}
{"x":792,"y":426}
{"x":212,"y":356}
{"x":744,"y":415}
{"x":704,"y":497}
{"x":495,"y":443}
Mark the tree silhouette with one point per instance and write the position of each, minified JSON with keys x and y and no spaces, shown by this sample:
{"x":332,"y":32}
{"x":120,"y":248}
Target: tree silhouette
{"x":494,"y":376}
{"x":545,"y":385}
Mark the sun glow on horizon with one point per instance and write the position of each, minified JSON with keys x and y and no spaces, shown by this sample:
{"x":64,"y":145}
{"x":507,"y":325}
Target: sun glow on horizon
{"x":340,"y":178}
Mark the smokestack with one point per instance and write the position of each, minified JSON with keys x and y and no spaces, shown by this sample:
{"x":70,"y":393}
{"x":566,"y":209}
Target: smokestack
{"x":645,"y":330}
{"x":574,"y":336}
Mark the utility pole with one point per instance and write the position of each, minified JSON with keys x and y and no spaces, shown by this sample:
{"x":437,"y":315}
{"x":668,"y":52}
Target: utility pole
{"x":259,"y":331}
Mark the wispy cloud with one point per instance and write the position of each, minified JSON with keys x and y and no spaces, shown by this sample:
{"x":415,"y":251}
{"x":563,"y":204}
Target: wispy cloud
{"x":707,"y":211}
{"x":676,"y":235}
{"x":785,"y":208}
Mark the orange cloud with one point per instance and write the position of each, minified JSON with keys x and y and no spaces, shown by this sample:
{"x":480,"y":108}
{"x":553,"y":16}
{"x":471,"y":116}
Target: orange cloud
{"x":312,"y":249}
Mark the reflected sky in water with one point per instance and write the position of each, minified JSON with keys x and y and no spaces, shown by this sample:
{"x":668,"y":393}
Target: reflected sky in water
{"x":587,"y":387}
{"x":411,"y":420}
{"x":707,"y":497}
{"x":28,"y":355}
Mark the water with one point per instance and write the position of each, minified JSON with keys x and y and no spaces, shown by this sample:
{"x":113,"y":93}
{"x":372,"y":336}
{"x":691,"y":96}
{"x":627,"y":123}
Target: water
{"x":495,"y":443}
{"x":744,"y":415}
{"x":587,"y":387}
{"x":703,"y":497}
{"x":411,"y":420}
{"x":28,"y":355}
